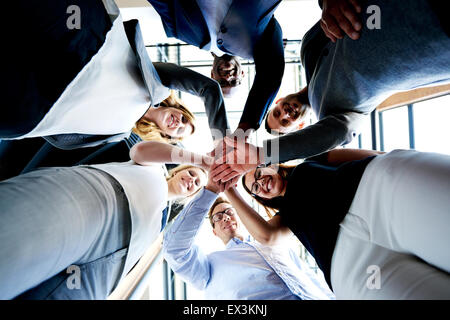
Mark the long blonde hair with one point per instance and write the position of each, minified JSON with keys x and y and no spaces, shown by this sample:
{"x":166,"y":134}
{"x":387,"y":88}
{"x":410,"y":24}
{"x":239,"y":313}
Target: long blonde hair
{"x":179,"y":168}
{"x":148,"y":130}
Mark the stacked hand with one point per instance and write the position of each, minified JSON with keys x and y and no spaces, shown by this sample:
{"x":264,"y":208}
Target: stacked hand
{"x":233,"y":158}
{"x":340,"y":16}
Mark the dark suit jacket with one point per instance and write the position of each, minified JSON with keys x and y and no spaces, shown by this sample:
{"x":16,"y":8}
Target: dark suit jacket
{"x":248,"y":24}
{"x":76,"y":50}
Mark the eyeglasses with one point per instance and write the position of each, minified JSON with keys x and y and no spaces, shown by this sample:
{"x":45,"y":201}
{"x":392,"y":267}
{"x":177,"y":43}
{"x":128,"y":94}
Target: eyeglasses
{"x":256,"y":187}
{"x":219,"y":215}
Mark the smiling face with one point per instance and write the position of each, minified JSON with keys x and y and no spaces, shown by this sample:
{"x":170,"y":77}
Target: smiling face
{"x":227,"y":71}
{"x":186,"y":182}
{"x":265,"y":183}
{"x":174,"y":123}
{"x":287,"y":115}
{"x":227,"y":227}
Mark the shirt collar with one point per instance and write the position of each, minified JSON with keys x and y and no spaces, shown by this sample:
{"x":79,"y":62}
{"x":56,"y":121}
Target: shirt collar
{"x":236,"y":241}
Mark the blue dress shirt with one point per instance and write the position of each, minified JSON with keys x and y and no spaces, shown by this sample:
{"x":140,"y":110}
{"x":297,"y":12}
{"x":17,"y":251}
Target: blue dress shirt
{"x":244,"y":270}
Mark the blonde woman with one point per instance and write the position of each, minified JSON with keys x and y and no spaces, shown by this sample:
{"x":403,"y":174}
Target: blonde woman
{"x":98,"y":219}
{"x":170,"y":121}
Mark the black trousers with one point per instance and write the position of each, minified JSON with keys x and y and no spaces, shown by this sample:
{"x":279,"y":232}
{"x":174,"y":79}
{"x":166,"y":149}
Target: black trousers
{"x":44,"y":53}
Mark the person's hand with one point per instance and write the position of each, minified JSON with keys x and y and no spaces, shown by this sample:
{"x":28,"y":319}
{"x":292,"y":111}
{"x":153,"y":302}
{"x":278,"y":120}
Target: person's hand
{"x":340,"y":16}
{"x":207,"y":162}
{"x":221,"y":148}
{"x":242,"y":158}
{"x":218,"y":186}
{"x":214,"y":186}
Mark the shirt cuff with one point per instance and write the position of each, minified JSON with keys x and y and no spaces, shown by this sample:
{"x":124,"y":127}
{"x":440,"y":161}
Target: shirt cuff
{"x":205,"y":199}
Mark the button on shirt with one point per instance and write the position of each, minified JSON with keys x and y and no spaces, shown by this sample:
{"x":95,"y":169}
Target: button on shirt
{"x":244,"y":270}
{"x":214,"y":12}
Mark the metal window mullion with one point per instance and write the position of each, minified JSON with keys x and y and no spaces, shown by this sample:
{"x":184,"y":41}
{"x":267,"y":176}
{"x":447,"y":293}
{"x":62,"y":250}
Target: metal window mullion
{"x":412,"y":140}
{"x":373,"y":125}
{"x":381,"y":130}
{"x":168,"y":282}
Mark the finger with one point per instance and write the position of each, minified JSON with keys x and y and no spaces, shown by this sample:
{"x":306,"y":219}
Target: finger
{"x":228,"y":185}
{"x":356,"y":5}
{"x":332,"y":25}
{"x":214,"y":166}
{"x":218,"y":170}
{"x":231,"y":175}
{"x":222,"y":174}
{"x":231,"y":183}
{"x":345,"y":25}
{"x":325,"y":30}
{"x":351,"y":16}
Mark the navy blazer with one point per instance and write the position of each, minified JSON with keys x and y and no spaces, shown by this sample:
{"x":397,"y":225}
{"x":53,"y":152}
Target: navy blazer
{"x":249,"y":30}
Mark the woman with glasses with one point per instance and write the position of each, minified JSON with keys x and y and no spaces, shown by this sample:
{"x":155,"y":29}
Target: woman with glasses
{"x":357,"y":211}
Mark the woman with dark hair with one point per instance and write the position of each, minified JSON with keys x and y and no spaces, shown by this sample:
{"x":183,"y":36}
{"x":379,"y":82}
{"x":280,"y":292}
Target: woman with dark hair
{"x":355,"y":210}
{"x":278,"y":176}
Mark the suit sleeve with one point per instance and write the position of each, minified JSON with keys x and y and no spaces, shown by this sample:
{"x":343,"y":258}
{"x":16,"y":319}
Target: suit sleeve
{"x":268,"y":55}
{"x":179,"y":78}
{"x":324,"y":135}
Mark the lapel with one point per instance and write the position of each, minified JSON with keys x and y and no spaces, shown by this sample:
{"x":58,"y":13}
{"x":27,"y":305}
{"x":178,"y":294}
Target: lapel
{"x":151,"y":78}
{"x":182,"y":19}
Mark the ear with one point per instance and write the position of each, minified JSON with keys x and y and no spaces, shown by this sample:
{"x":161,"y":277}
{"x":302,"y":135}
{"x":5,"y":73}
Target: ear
{"x":214,"y":55}
{"x":214,"y":232}
{"x":276,"y":102}
{"x":301,"y":125}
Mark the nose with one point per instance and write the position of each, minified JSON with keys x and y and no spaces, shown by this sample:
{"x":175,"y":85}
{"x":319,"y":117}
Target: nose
{"x":285,"y":115}
{"x":226,"y":217}
{"x":190,"y":182}
{"x":177,"y":121}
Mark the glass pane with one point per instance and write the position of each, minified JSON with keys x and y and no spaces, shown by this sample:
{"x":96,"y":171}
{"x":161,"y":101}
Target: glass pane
{"x":432,"y":131}
{"x":396,"y":129}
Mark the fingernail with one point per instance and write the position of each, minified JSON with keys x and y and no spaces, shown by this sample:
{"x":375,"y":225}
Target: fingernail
{"x":357,"y":26}
{"x":355,"y":35}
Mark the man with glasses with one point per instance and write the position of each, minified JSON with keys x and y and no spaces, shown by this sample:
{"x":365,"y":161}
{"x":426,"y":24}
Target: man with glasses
{"x":245,"y":269}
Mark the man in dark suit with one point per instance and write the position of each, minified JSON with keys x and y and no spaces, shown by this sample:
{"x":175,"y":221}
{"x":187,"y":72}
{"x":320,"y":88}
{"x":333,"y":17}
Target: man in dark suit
{"x":245,"y":29}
